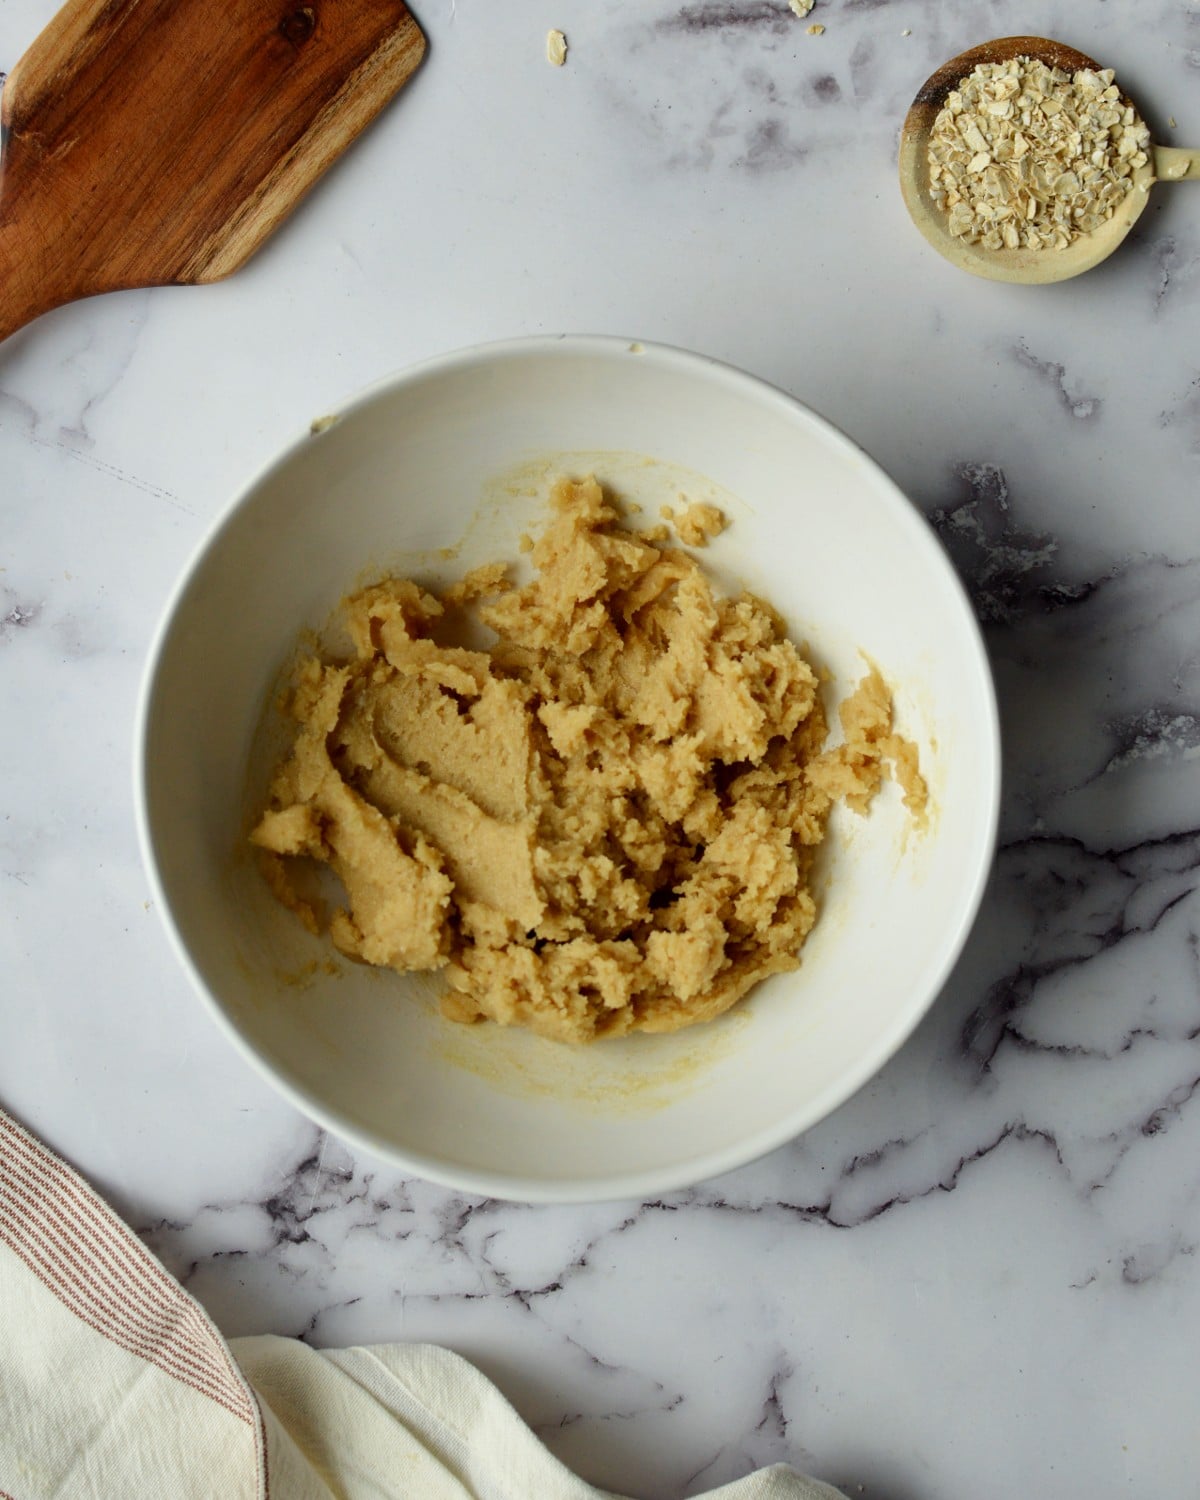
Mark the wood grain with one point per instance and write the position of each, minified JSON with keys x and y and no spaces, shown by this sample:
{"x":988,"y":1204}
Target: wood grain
{"x":153,"y":142}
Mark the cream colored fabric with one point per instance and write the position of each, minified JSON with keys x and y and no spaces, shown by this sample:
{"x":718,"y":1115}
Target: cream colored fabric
{"x":410,"y":1419}
{"x":115,"y":1383}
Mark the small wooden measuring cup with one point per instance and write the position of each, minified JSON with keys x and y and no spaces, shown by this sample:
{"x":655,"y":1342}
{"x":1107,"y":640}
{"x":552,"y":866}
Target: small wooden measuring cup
{"x":1164,"y":164}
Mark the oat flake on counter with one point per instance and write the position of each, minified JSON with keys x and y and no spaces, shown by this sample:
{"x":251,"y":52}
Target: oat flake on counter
{"x":1023,"y":155}
{"x":556,"y":48}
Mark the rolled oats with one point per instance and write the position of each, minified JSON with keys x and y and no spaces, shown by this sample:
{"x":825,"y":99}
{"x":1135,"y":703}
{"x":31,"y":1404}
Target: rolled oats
{"x":556,"y":48}
{"x":1026,"y":155}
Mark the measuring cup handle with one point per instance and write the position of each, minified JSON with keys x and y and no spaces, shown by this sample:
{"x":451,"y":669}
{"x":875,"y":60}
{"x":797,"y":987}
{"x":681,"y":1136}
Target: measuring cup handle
{"x":1176,"y":164}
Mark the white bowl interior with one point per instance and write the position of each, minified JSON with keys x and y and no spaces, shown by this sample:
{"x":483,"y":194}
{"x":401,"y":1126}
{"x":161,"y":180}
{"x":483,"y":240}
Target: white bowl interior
{"x":460,"y":452}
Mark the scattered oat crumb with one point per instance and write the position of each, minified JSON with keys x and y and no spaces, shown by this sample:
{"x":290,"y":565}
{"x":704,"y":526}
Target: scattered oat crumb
{"x":556,"y":48}
{"x":1171,"y":122}
{"x":816,"y":29}
{"x":699,"y":522}
{"x":524,"y":542}
{"x":907,"y":31}
{"x":801,"y":7}
{"x":667,"y":512}
{"x":659,"y":533}
{"x":637,"y":348}
{"x":323,"y":424}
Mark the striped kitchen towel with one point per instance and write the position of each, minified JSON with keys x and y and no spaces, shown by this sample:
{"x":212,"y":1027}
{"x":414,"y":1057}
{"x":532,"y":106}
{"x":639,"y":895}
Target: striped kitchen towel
{"x":116,"y":1384}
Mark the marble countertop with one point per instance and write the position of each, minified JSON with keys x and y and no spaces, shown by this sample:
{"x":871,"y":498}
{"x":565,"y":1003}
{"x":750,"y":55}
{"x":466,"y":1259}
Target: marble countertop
{"x":980,"y":1276}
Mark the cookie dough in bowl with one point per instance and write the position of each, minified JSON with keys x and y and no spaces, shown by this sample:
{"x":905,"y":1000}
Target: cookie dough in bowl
{"x":598,"y":843}
{"x":605,"y":823}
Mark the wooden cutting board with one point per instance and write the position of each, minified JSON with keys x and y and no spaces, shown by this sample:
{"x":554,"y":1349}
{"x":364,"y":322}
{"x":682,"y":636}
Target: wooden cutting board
{"x":155,"y":142}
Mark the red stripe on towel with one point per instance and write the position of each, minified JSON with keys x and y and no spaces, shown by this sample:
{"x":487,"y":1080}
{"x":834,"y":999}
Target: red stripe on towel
{"x":72,"y":1264}
{"x":101,"y":1272}
{"x":69,"y":1206}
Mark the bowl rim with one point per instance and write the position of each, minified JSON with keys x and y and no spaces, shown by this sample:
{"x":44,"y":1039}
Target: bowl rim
{"x":608,"y":1187}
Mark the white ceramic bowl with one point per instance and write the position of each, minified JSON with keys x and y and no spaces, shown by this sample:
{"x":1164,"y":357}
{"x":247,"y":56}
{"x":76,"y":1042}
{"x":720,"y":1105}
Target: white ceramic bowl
{"x":459,"y":451}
